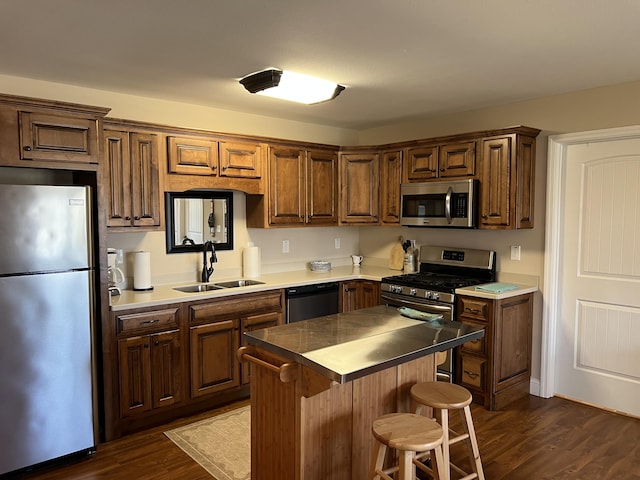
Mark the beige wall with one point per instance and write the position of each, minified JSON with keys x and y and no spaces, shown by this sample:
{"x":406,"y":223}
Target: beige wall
{"x":606,"y":107}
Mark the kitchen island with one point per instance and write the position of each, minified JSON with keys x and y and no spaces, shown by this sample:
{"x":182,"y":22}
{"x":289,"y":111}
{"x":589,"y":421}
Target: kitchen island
{"x":318,"y":385}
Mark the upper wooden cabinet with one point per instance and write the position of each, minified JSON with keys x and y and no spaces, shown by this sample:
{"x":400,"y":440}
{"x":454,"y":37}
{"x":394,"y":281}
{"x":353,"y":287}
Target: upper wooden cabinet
{"x":131,"y":166}
{"x":48,"y":134}
{"x":507,"y":183}
{"x":302,"y":189}
{"x":441,"y":160}
{"x":192,"y":155}
{"x":241,"y":159}
{"x":208,"y":160}
{"x":359,"y":187}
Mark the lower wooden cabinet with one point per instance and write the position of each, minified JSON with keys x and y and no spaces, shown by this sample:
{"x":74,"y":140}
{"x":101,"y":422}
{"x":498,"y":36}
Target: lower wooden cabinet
{"x":149,"y":361}
{"x":150,"y":372}
{"x":356,"y":294}
{"x":165,"y":362}
{"x":496,"y":368}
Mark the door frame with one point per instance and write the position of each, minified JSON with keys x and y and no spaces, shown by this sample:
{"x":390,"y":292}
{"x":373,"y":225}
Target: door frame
{"x":554,"y":230}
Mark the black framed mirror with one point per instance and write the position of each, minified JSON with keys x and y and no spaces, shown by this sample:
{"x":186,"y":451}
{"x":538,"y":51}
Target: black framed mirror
{"x":197,"y":216}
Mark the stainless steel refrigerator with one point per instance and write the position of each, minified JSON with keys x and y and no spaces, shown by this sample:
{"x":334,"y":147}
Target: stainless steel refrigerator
{"x":46,"y":312}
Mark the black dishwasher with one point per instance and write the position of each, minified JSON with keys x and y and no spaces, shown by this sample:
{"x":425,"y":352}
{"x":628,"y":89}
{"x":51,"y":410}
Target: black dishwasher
{"x":310,"y":301}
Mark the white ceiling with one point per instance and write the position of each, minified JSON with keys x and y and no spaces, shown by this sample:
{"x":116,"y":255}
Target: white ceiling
{"x":398,"y":58}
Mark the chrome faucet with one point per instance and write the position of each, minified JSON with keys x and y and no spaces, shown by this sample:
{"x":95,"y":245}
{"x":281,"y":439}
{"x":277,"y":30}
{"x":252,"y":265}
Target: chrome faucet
{"x":208,"y":271}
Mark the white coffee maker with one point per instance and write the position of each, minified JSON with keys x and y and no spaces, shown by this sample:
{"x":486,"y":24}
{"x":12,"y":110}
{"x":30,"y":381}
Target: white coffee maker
{"x":114,"y":273}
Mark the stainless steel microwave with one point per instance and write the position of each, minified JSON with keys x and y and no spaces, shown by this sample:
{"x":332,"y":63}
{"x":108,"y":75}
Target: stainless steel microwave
{"x":439,"y":204}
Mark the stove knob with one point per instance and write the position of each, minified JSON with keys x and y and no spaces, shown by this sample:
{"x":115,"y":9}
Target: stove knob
{"x":435,"y":295}
{"x":427,"y":294}
{"x":413,"y":292}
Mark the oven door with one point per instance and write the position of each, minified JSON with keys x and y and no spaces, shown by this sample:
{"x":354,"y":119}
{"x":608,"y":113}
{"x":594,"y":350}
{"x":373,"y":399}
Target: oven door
{"x":445,"y":371}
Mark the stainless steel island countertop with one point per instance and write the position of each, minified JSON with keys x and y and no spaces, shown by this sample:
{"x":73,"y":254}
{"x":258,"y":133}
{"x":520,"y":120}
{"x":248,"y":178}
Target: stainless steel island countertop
{"x":347,"y":346}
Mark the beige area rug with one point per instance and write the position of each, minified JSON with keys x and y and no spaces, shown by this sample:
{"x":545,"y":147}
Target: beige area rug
{"x":221,"y":444}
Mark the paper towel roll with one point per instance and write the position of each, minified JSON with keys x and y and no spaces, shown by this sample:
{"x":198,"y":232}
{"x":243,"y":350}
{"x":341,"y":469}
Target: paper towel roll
{"x":142,"y":271}
{"x":251,"y":261}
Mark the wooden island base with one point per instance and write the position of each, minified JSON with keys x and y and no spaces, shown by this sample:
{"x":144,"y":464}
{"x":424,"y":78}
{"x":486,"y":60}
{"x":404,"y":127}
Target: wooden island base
{"x":307,"y":427}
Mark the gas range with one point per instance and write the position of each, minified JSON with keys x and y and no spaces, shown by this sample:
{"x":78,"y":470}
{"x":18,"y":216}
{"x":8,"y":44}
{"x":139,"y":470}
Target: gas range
{"x":442,"y":271}
{"x":432,"y":289}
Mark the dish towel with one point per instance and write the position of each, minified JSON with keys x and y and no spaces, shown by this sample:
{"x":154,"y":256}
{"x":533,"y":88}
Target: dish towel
{"x":496,"y":287}
{"x":418,"y":315}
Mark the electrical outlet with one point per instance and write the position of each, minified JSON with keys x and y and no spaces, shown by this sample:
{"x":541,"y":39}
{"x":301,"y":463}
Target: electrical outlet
{"x":515,"y":252}
{"x":336,"y":241}
{"x":285,"y":246}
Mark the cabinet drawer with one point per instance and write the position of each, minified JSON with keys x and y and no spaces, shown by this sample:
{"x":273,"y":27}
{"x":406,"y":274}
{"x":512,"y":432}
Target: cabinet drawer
{"x":235,"y":306}
{"x":147,"y":321}
{"x":473,"y":371}
{"x":478,"y":346}
{"x":474,"y":307}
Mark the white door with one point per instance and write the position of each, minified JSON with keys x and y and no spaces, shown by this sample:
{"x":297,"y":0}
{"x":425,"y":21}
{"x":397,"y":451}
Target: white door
{"x":597,"y":329}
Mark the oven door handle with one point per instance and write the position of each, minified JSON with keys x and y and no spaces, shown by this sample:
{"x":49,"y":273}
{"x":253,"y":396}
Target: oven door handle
{"x":447,"y":204}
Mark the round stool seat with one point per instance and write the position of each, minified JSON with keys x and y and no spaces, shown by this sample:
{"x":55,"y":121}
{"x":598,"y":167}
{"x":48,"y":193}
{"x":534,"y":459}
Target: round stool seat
{"x":407,"y":431}
{"x":441,"y":395}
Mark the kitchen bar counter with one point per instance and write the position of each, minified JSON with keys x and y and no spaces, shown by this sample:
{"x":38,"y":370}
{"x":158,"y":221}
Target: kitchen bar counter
{"x":346,"y":346}
{"x":318,"y":385}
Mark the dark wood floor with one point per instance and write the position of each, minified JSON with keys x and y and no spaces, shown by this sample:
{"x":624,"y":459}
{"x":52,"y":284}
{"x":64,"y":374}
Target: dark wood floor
{"x":533,"y":439}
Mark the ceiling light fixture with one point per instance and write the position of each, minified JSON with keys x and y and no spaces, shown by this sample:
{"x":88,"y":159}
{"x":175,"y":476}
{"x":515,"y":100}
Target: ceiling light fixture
{"x":291,"y":86}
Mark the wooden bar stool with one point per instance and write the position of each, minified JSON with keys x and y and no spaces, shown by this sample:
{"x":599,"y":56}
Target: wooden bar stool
{"x":442,"y":397}
{"x":409,"y":434}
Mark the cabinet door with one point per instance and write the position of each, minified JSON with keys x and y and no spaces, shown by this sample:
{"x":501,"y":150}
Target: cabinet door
{"x":166,"y":369}
{"x":369,"y":294}
{"x":525,"y":181}
{"x":513,"y":341}
{"x":286,"y":186}
{"x":495,"y":183}
{"x":145,"y":188}
{"x":359,"y":188}
{"x":457,"y":160}
{"x":256,"y":322}
{"x":134,"y":360}
{"x":58,"y":138}
{"x":214,"y":366}
{"x":349,"y":292}
{"x":322,"y":188}
{"x":390,"y":180}
{"x":118,"y":167}
{"x":421,"y":163}
{"x":192,"y":156}
{"x":243,"y":160}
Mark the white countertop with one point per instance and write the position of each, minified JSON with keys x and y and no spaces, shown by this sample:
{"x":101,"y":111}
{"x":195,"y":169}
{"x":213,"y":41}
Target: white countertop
{"x":522,"y":288}
{"x":165,"y":294}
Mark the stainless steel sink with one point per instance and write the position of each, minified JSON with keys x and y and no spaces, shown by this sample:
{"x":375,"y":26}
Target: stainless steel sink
{"x":206,"y":287}
{"x":203,"y":287}
{"x":239,"y":283}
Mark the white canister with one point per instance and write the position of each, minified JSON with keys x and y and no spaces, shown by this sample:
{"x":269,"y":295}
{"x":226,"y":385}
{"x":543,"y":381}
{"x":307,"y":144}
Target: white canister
{"x":251,"y":261}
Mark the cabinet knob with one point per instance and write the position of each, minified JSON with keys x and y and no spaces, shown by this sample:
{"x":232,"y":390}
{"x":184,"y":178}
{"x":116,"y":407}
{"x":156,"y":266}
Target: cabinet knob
{"x":127,"y":218}
{"x":156,"y":343}
{"x":27,"y":148}
{"x":472,"y":374}
{"x":146,"y":345}
{"x":136,"y":218}
{"x":484,"y":216}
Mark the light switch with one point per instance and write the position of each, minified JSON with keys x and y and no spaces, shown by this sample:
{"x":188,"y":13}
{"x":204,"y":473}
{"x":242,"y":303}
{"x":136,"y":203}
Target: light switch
{"x":285,"y":246}
{"x":515,"y":252}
